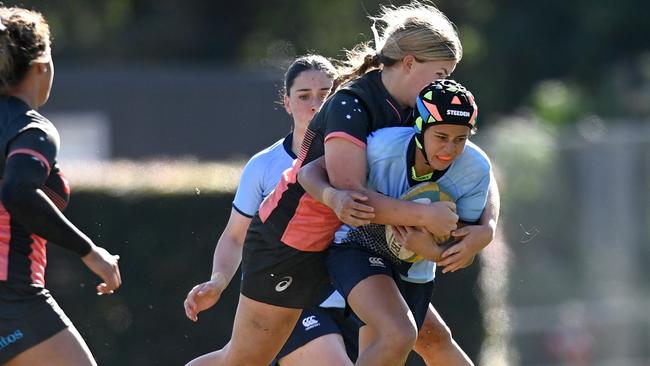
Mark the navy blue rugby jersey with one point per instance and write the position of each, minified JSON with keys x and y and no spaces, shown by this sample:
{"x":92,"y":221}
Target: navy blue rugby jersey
{"x":23,"y":253}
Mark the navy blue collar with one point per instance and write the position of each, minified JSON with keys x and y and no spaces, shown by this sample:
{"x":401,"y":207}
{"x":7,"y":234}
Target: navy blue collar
{"x":288,"y":144}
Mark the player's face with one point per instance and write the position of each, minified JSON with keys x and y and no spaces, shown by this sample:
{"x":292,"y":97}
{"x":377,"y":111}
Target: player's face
{"x":444,"y":143}
{"x":306,"y":95}
{"x":423,"y":73}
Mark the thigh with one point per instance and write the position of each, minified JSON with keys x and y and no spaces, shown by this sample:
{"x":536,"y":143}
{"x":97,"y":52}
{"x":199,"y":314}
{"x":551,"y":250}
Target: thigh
{"x":321,"y":330}
{"x":28,"y":318}
{"x":366,"y":282}
{"x":417,"y":296}
{"x":325,"y":350}
{"x":65,"y":348}
{"x":377,"y":301}
{"x":259,"y":332}
{"x":348,"y":266}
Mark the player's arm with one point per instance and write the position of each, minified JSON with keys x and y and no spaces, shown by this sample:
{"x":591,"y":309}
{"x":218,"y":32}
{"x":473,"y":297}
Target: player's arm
{"x":226,"y":259}
{"x":345,"y":171}
{"x":228,"y":252}
{"x":490,"y":216}
{"x":345,"y":128}
{"x":29,"y":159}
{"x":473,"y":238}
{"x":348,"y":205}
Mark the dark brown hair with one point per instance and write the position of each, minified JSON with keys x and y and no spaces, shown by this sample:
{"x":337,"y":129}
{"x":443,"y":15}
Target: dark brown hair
{"x":24,"y":38}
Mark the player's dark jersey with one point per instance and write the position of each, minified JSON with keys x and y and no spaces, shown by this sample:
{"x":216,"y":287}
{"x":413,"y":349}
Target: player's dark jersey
{"x":23,"y":253}
{"x":356,"y":110}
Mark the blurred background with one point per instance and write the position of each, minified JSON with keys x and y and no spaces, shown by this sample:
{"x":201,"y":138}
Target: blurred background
{"x":159,"y":104}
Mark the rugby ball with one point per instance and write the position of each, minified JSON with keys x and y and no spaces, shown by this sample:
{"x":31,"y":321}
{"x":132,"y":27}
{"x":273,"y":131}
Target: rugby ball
{"x":424,"y":193}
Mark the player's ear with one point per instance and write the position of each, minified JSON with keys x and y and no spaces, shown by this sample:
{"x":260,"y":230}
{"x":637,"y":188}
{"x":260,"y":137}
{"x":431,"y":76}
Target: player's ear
{"x":287,"y":106}
{"x":407,"y":63}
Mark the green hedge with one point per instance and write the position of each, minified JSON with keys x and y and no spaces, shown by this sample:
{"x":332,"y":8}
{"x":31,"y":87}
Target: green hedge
{"x":166,"y":241}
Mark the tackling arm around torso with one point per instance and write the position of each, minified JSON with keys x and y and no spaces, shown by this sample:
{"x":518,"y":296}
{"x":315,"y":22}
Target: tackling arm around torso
{"x":346,"y":171}
{"x":473,"y":238}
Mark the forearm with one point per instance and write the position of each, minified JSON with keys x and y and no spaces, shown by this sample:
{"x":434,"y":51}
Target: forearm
{"x":36,"y":212}
{"x":313,"y":179}
{"x":226,"y":259}
{"x":392,"y":211}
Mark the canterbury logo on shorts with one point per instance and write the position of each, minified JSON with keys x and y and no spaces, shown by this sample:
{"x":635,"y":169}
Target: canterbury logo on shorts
{"x":284,"y":284}
{"x":376,"y":262}
{"x":310,"y":322}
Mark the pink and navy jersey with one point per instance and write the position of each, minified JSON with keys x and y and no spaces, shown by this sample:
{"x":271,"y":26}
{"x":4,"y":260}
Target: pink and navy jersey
{"x":23,"y":253}
{"x":291,"y":215}
{"x":259,"y":177}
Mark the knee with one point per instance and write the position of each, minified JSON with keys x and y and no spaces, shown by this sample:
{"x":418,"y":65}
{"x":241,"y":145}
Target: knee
{"x":398,"y":337}
{"x":433,"y":335}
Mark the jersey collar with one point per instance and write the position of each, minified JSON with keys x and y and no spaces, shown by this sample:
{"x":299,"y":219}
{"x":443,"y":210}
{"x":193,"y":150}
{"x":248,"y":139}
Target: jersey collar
{"x":287,"y":144}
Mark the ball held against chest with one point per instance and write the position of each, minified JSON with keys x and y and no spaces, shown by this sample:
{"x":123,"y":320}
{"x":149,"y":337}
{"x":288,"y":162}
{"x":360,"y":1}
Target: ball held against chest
{"x":425,"y":193}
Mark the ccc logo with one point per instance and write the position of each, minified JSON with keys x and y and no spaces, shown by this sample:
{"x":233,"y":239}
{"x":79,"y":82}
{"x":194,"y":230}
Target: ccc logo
{"x":376,"y":261}
{"x":309,"y":321}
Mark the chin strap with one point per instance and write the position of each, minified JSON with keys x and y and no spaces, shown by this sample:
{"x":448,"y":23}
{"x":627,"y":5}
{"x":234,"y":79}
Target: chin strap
{"x":420,"y":145}
{"x":420,"y":178}
{"x":414,"y":174}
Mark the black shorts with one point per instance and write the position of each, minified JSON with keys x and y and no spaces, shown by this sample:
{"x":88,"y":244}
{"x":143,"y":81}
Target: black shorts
{"x":349,"y":265}
{"x":277,"y":274}
{"x":317,"y":322}
{"x":28,"y":316}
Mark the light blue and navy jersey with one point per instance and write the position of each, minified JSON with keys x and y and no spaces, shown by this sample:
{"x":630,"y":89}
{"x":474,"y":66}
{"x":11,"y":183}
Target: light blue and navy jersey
{"x":261,"y":174}
{"x":258,"y":179}
{"x":390,"y":155}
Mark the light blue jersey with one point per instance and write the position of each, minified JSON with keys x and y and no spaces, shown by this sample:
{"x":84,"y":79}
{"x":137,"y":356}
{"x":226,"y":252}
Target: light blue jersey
{"x":261,"y":174}
{"x":258,"y":179}
{"x":466,"y":181}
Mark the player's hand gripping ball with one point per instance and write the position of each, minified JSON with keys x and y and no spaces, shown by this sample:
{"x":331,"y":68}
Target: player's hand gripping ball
{"x":424,"y":193}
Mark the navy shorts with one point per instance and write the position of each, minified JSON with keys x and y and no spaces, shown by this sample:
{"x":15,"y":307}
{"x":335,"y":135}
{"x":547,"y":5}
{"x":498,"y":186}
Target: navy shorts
{"x":277,"y":274}
{"x":349,"y":265}
{"x":316,"y":322}
{"x":28,"y":316}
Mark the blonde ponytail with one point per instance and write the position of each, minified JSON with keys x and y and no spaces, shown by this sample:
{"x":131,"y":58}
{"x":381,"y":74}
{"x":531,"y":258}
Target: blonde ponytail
{"x":416,"y":29}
